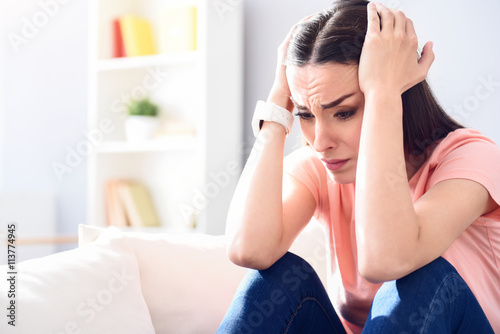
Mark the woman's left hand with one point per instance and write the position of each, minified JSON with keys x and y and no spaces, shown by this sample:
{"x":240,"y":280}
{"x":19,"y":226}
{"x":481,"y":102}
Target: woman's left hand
{"x":389,"y":58}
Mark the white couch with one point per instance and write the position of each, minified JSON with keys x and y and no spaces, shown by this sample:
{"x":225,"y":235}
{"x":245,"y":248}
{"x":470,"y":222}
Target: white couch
{"x":135,"y":283}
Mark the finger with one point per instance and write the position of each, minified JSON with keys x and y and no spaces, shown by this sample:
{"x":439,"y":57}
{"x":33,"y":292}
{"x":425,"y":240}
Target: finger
{"x":373,"y":18}
{"x":286,"y":41}
{"x":410,"y":29}
{"x":290,"y":33}
{"x":386,"y":17}
{"x":427,"y":57}
{"x":284,"y":45}
{"x":399,"y":21}
{"x":412,"y":35}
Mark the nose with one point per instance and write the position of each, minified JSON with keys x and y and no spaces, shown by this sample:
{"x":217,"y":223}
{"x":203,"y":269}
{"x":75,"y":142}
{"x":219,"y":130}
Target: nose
{"x":324,"y":137}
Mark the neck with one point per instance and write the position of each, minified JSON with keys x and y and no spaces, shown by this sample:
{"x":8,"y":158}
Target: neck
{"x":413,"y":164}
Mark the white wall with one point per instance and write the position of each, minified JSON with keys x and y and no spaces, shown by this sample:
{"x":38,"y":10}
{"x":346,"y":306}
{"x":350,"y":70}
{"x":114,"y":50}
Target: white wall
{"x":466,"y":43}
{"x":44,"y":92}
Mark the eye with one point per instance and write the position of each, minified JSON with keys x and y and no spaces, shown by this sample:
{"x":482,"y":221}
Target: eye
{"x":304,"y":115}
{"x":345,"y":115}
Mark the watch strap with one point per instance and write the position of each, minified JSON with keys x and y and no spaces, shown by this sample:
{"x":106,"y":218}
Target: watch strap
{"x":270,"y":112}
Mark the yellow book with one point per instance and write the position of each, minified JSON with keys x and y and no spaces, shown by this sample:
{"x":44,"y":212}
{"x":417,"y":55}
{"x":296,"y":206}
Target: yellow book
{"x":137,"y":36}
{"x":138,"y":205}
{"x":178,"y":29}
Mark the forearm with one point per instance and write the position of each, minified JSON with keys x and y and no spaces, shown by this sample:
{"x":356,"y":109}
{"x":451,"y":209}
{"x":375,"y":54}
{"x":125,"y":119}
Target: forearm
{"x":255,"y":219}
{"x":386,"y":226}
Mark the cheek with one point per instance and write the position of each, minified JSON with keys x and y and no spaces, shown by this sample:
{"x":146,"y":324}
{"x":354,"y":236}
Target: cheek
{"x":356,"y":136}
{"x":307,"y":129}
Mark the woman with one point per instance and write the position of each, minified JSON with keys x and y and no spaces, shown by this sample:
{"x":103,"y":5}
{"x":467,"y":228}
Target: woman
{"x":407,"y":196}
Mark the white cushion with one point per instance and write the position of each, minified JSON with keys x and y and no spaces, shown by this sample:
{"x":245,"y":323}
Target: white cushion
{"x":91,"y":289}
{"x":187,"y":280}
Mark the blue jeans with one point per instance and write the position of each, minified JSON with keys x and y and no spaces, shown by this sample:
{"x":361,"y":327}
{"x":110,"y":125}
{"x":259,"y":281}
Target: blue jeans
{"x":290,"y":298}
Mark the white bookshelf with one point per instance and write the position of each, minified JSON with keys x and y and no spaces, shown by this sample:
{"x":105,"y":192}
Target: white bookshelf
{"x":165,"y":145}
{"x":183,"y":173}
{"x":148,"y":61}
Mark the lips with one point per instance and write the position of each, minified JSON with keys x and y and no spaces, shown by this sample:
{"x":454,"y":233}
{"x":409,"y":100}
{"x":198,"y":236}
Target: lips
{"x":335,"y":164}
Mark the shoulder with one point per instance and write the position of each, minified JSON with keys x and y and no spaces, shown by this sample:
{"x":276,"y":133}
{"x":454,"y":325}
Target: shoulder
{"x":303,"y":165}
{"x":466,"y":147}
{"x":466,"y":154}
{"x":465,"y":139}
{"x":303,"y":158}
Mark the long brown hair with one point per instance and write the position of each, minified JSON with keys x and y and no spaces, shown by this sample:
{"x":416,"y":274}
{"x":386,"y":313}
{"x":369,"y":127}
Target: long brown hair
{"x":337,"y":35}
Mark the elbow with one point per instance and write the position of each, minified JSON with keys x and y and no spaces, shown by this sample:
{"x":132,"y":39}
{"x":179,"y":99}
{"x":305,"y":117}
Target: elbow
{"x":378,"y":269}
{"x":371,"y":273}
{"x":371,"y":263}
{"x":248,"y":257}
{"x":236,"y":256}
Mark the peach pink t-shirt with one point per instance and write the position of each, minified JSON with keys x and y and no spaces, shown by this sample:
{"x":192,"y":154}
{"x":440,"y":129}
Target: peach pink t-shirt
{"x":465,"y":154}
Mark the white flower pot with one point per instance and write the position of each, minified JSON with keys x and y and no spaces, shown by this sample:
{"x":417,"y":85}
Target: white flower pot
{"x":139,"y":128}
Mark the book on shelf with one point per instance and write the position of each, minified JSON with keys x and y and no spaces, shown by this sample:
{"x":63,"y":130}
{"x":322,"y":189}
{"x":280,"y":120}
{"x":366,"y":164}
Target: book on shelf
{"x":137,"y":35}
{"x":133,"y":35}
{"x":118,"y":47}
{"x":129,"y":203}
{"x":177,"y":29}
{"x":115,"y":212}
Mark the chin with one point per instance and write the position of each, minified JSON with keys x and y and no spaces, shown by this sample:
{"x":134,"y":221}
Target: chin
{"x":341,"y":178}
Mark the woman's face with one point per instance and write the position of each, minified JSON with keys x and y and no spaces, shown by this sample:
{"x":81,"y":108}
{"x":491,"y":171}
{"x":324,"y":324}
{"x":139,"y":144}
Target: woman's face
{"x":330,"y":107}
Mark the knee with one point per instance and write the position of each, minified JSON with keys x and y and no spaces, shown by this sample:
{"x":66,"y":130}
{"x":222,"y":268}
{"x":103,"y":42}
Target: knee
{"x":288,"y":274}
{"x":432,"y":274}
{"x":426,"y":280}
{"x":440,"y":267}
{"x":289,"y":266}
{"x":433,"y":296}
{"x":291,"y":270}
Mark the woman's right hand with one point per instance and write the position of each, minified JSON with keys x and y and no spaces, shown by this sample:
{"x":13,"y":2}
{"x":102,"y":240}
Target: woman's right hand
{"x":280,"y":92}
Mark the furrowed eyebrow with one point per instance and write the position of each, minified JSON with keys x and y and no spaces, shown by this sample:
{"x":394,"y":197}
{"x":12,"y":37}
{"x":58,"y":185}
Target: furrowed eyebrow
{"x":298,"y":106}
{"x":337,"y":101}
{"x":324,"y":106}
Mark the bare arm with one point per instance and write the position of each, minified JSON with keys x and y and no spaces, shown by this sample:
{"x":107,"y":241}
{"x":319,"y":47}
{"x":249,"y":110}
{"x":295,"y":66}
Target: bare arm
{"x":395,"y":236}
{"x":268,"y":209}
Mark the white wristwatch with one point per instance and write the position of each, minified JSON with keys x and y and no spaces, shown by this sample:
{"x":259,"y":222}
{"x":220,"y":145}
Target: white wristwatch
{"x":270,"y":112}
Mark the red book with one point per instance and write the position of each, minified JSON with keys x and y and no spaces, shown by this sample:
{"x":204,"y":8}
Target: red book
{"x":118,"y":47}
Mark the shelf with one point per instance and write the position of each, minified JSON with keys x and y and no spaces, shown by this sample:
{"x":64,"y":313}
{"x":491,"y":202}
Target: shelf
{"x":124,"y":63}
{"x":173,"y":144}
{"x":185,"y":172}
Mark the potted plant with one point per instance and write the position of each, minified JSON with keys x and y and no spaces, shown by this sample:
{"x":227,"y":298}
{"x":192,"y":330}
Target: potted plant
{"x":142,"y":121}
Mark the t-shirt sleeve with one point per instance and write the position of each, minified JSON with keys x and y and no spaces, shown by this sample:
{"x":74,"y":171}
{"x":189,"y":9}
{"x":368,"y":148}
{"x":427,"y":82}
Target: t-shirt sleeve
{"x":303,"y":165}
{"x":477,"y":160}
